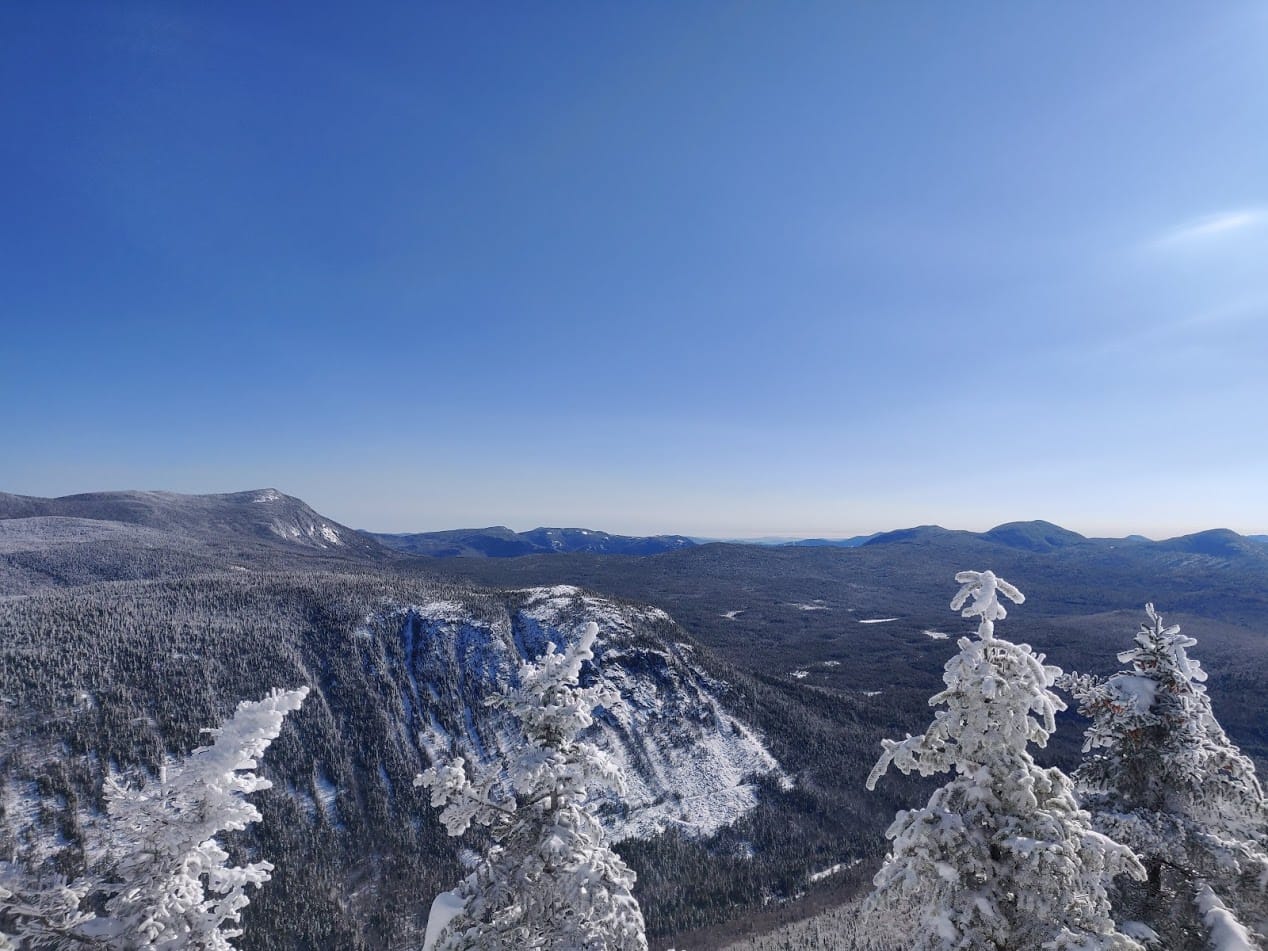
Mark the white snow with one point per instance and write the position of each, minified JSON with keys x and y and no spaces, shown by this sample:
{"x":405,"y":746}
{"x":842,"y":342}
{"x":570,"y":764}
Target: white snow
{"x":799,"y":674}
{"x":937,"y":635}
{"x":831,"y":663}
{"x":330,"y":535}
{"x":558,"y":591}
{"x":1134,"y":691}
{"x":732,"y":615}
{"x":871,"y":693}
{"x":877,"y":620}
{"x":1226,"y":932}
{"x":812,"y":606}
{"x":450,"y":611}
{"x":832,"y":870}
{"x":327,"y":793}
{"x":444,"y":909}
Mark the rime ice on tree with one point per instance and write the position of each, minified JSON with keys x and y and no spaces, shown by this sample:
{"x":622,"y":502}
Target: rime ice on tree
{"x":549,"y":881}
{"x":178,"y":889}
{"x":1162,"y":776}
{"x":1001,"y":857}
{"x":168,"y":880}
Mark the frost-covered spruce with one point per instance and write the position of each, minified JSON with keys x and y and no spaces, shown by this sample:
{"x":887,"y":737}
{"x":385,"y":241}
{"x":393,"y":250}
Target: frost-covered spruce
{"x":1161,"y":775}
{"x":176,"y":888}
{"x":1001,"y":858}
{"x":549,"y":879}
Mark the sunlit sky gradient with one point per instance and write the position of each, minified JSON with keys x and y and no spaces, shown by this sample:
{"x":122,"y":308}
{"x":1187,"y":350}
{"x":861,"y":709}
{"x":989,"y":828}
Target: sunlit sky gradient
{"x":716,"y":268}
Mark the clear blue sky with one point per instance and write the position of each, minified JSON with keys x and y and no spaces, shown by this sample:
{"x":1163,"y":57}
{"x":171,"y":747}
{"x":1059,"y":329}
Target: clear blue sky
{"x":723,"y":268}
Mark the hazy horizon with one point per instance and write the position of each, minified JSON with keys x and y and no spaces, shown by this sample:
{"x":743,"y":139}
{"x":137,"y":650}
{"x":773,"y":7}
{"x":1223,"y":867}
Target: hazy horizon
{"x":719,"y":270}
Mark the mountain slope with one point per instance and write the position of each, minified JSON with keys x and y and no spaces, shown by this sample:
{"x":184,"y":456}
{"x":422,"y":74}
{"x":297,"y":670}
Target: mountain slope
{"x":105,"y":536}
{"x":120,"y":673}
{"x":261,"y":515}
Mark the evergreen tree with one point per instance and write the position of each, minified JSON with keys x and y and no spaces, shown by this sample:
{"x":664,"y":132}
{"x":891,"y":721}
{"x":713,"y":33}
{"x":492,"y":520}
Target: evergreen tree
{"x":1001,"y":858}
{"x":549,"y":880}
{"x":175,"y":886}
{"x":1162,"y":776}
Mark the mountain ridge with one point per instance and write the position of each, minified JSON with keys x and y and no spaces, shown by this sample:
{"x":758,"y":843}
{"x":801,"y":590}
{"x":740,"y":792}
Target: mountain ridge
{"x":498,"y":541}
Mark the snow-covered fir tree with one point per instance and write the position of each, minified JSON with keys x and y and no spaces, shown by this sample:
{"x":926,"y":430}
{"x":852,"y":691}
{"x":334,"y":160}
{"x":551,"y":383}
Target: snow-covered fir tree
{"x":44,"y":913}
{"x":174,"y":884}
{"x":1161,"y":775}
{"x":1001,"y":858}
{"x":549,"y":879}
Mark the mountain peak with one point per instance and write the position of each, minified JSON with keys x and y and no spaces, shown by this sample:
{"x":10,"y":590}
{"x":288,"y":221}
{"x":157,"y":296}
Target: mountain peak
{"x":1036,"y":535}
{"x":257,"y":516}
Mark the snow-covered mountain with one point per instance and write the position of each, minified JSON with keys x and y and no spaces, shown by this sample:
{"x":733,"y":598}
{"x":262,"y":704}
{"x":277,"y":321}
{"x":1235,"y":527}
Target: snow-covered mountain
{"x":121,"y":674}
{"x":264,"y":516}
{"x":689,"y":762}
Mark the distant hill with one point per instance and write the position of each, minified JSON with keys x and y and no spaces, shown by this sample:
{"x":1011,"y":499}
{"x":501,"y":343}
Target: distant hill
{"x":853,"y":542}
{"x":261,"y":514}
{"x":76,"y":539}
{"x":1033,"y":536}
{"x":1218,"y":542}
{"x":501,"y":542}
{"x":919,"y":535}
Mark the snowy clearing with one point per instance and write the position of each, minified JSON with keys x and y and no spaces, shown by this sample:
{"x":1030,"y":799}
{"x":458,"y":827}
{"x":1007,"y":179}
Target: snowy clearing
{"x":833,"y":870}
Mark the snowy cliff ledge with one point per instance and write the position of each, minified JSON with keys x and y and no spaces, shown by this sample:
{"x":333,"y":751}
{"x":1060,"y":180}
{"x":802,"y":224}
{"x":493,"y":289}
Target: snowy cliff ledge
{"x":690,"y":764}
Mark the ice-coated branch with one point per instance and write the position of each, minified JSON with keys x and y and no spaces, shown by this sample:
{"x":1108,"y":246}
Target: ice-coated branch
{"x":984,"y":587}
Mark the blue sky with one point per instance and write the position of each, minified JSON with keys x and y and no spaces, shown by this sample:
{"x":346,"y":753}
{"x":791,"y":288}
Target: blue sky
{"x":715,"y":268}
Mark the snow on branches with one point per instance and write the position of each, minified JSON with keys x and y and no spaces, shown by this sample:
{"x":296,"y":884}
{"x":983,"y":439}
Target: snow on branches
{"x":1001,"y":857}
{"x":1161,"y":775}
{"x":177,"y":888}
{"x":549,"y":880}
{"x":160,"y":880}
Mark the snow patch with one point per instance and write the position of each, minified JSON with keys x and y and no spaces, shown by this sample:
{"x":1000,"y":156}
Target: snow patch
{"x":1134,"y":691}
{"x":832,"y":870}
{"x":447,"y":611}
{"x":877,"y":620}
{"x":937,"y":635}
{"x":732,"y":615}
{"x":799,"y":674}
{"x":558,"y":591}
{"x":327,"y":794}
{"x":444,"y":909}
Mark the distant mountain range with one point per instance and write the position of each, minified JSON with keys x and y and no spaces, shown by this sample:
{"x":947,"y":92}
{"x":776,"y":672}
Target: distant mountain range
{"x":500,"y":542}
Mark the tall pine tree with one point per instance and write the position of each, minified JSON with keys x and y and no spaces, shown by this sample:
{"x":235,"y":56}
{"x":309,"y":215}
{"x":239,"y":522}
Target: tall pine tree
{"x":1001,"y":858}
{"x":1161,"y":775}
